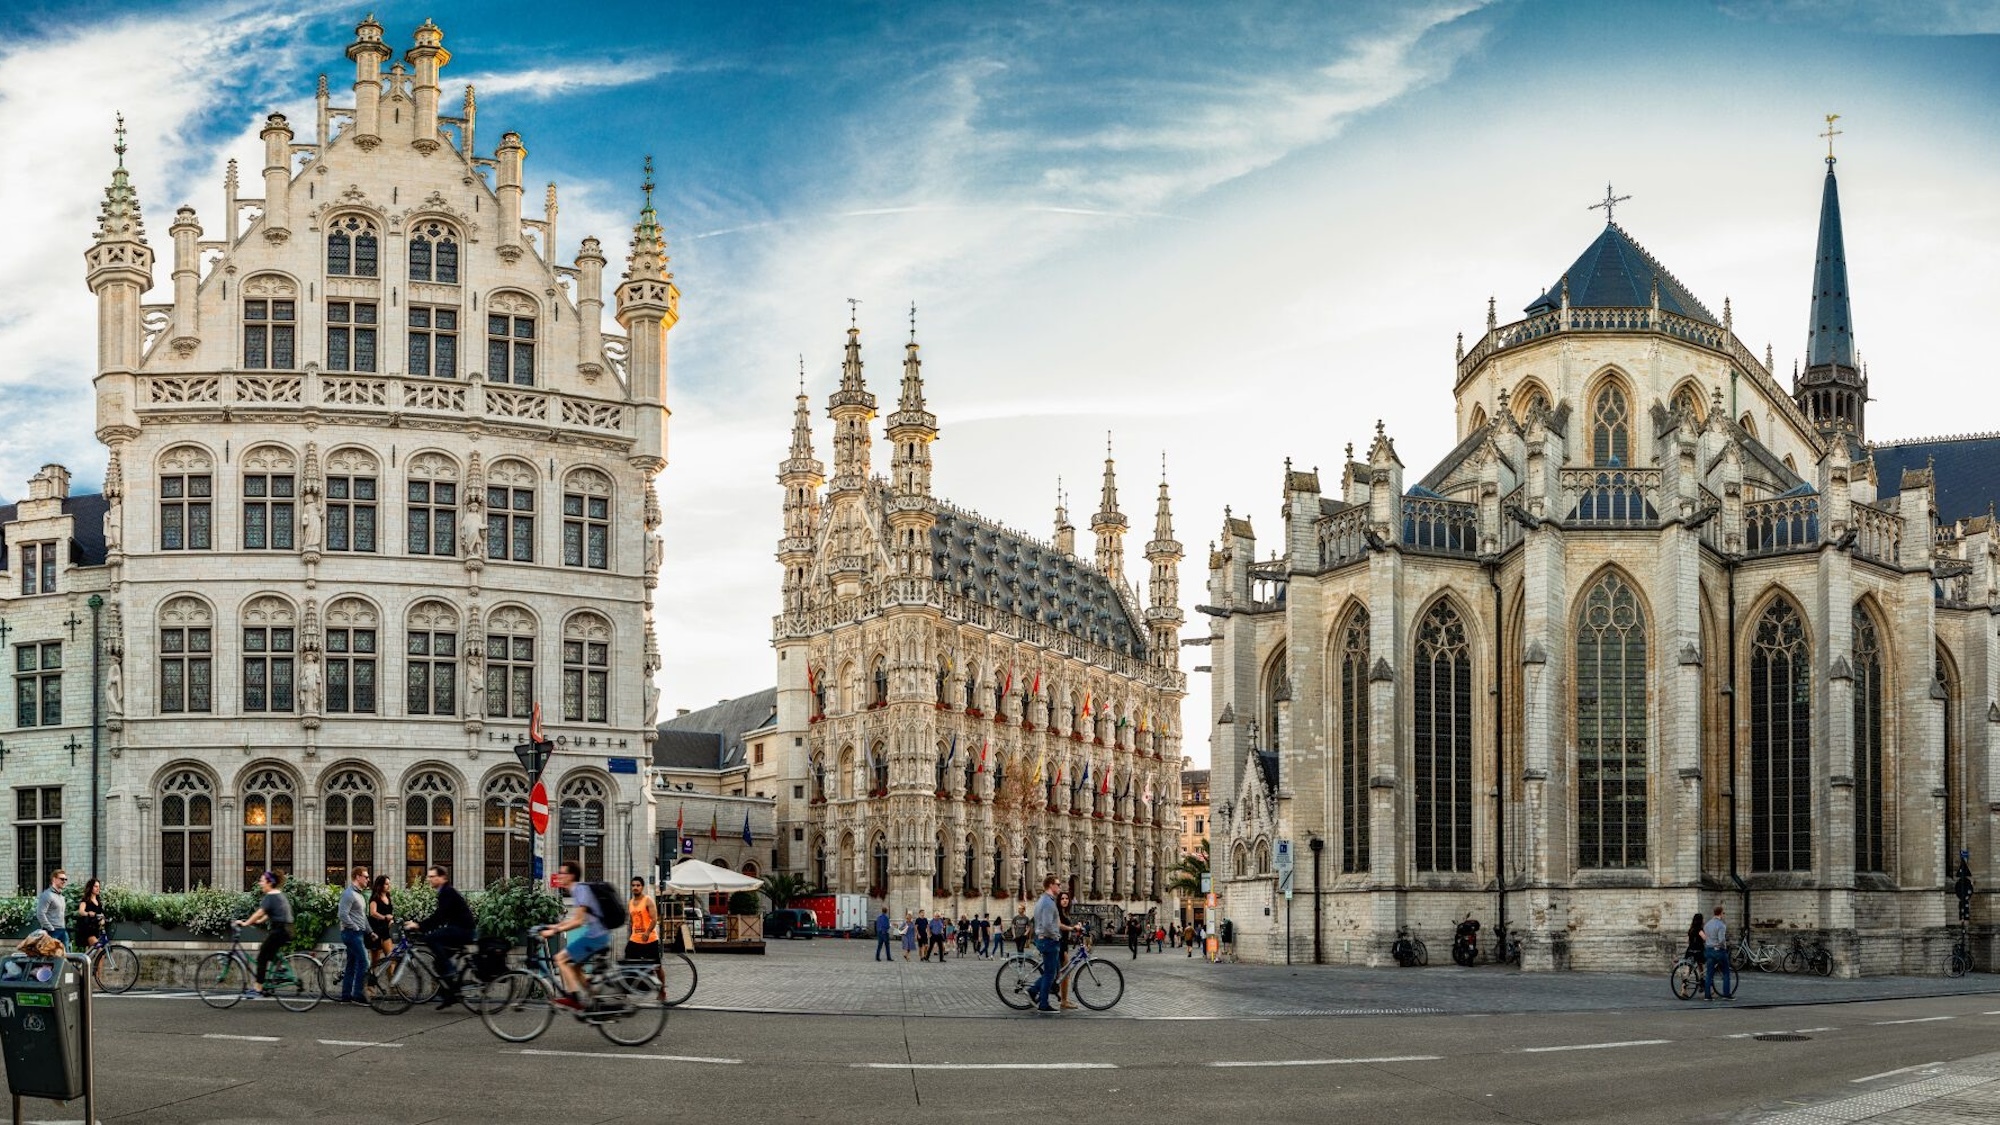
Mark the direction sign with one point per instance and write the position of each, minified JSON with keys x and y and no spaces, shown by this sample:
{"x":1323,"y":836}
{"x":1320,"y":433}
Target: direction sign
{"x":1283,"y":862}
{"x":1205,"y":882}
{"x":538,"y":807}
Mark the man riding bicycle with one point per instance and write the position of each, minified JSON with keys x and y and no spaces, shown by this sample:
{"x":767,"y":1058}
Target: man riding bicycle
{"x":450,"y":927}
{"x":590,"y":935}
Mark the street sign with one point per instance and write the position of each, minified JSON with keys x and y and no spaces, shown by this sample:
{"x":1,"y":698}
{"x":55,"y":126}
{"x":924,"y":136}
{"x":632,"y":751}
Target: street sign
{"x":687,"y":846}
{"x":1207,"y":881}
{"x":534,"y":756}
{"x":1283,"y":859}
{"x":537,"y":869}
{"x":538,"y":807}
{"x":622,"y":765}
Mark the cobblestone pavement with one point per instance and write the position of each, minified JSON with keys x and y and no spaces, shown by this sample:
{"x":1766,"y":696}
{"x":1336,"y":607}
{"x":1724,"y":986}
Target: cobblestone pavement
{"x":836,"y":976}
{"x":1954,"y":1093}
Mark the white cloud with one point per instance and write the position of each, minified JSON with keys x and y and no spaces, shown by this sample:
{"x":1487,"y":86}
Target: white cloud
{"x":570,"y":78}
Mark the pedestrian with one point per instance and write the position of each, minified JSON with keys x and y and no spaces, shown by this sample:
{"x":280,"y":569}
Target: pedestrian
{"x":1159,"y":939}
{"x":1715,"y":949}
{"x":882,"y":936}
{"x":90,"y":916}
{"x":50,"y":909}
{"x":1961,"y":887}
{"x":909,"y":934}
{"x":1697,"y":942}
{"x":1071,"y":934}
{"x":937,"y":936}
{"x":381,"y":916}
{"x":353,"y":919}
{"x":1048,"y":943}
{"x":642,"y":933}
{"x":1021,"y":928}
{"x":1132,"y":934}
{"x":923,"y":935}
{"x":964,"y":934}
{"x":1192,"y":938}
{"x":274,"y":913}
{"x":985,"y":931}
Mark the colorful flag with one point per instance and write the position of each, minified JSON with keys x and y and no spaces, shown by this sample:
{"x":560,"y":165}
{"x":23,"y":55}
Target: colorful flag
{"x":1008,"y":688}
{"x":1106,"y":786}
{"x":1040,"y":761}
{"x":1086,"y":703}
{"x":746,"y":826}
{"x":713,"y":825}
{"x":680,"y":821}
{"x":953,"y":755}
{"x":812,"y":679}
{"x":1035,"y":692}
{"x":985,"y":744}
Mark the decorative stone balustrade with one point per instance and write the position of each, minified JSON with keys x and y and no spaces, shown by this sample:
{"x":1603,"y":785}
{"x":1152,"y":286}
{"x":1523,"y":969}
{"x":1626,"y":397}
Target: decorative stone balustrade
{"x":1788,"y":523}
{"x":409,"y":400}
{"x":1343,"y":537}
{"x":1611,"y":497}
{"x":1443,"y":527}
{"x":1878,"y":534}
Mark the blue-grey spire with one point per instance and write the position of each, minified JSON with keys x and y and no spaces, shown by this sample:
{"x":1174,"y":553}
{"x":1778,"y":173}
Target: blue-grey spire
{"x":1831,"y":339}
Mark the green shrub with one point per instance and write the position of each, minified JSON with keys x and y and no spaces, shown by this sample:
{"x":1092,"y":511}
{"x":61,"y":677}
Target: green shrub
{"x":16,"y":914}
{"x":743,"y":902}
{"x":509,"y":908}
{"x":315,"y":907}
{"x":208,"y":912}
{"x":413,"y":904}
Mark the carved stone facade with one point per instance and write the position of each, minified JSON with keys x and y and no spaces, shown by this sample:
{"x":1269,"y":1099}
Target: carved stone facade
{"x":1655,"y":624}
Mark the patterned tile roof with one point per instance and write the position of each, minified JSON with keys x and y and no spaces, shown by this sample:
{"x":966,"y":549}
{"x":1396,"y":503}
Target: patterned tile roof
{"x":1967,"y":469}
{"x":981,"y":560}
{"x":1616,"y":272}
{"x":712,"y":738}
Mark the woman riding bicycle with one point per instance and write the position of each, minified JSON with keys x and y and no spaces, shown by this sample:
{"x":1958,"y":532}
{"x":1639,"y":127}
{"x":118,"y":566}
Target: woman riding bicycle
{"x":274,"y":913}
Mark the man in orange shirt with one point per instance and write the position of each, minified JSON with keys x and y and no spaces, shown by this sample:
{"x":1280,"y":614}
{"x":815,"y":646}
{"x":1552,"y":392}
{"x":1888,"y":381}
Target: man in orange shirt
{"x":642,"y":941}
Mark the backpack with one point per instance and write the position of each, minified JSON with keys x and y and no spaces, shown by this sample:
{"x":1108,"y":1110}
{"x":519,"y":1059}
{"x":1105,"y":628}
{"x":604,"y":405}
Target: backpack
{"x":610,"y":908}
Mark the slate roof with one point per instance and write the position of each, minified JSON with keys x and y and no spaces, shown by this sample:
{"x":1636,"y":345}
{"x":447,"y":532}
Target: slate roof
{"x":1967,"y":470}
{"x":87,"y":533}
{"x":1616,"y":272}
{"x":1830,"y":340}
{"x":712,"y":738}
{"x":988,"y":563}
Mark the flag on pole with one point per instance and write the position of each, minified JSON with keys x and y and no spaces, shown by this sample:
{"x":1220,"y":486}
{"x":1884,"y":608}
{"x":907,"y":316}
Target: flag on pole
{"x":1008,"y":689}
{"x":713,"y":826}
{"x":953,"y":755}
{"x":680,"y":821}
{"x":985,"y":744}
{"x":1041,"y":760}
{"x":746,"y":826}
{"x":1035,"y":692}
{"x":812,"y":679}
{"x":1106,"y":786}
{"x":535,"y":725}
{"x":1086,"y":703}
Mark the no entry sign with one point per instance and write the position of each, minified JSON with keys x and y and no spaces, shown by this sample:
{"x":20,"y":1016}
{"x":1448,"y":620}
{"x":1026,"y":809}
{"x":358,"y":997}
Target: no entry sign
{"x":538,"y":808}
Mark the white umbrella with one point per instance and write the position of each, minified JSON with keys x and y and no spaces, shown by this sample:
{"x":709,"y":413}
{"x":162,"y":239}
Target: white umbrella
{"x":695,"y":877}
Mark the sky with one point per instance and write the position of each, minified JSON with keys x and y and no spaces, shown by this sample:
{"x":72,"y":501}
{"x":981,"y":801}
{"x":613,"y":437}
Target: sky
{"x":1225,"y":234}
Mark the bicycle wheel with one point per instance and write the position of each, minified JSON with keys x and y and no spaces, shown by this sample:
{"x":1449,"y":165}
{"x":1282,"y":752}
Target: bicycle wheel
{"x":1738,"y":959}
{"x":1793,"y":961}
{"x":116,"y":969}
{"x":677,"y":978}
{"x":1961,"y":961}
{"x":646,"y":1014}
{"x":298,"y":985}
{"x":1015,"y":980}
{"x":1423,"y":953}
{"x":1767,"y":960}
{"x":395,"y":983}
{"x":1097,"y":985}
{"x":333,"y":967}
{"x":1820,"y":962}
{"x":517,"y":1006}
{"x":222,"y":979}
{"x":1686,"y":980}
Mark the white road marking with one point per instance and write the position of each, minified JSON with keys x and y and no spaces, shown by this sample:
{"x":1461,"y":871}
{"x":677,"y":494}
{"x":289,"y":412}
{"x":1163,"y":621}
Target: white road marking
{"x":244,"y":1038}
{"x":985,"y":1066}
{"x":624,"y":1055}
{"x":1810,"y":1030}
{"x":1330,"y":1062}
{"x":1597,"y":1046}
{"x":356,"y":1043}
{"x":1925,"y":1019}
{"x":1898,"y":1070}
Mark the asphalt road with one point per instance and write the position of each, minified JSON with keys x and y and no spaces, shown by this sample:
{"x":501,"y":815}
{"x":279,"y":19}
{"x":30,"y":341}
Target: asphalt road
{"x":171,"y":1060}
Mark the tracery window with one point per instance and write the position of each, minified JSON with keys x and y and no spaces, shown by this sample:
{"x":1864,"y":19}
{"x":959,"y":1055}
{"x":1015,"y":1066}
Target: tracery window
{"x":586,"y":690}
{"x":434,"y":253}
{"x":187,"y":832}
{"x":510,"y":665}
{"x":429,"y":814}
{"x":270,"y":329}
{"x":186,"y":657}
{"x":351,"y":328}
{"x":1869,"y":853}
{"x":1442,"y":686}
{"x":270,"y":492}
{"x":587,"y":520}
{"x":510,"y":513}
{"x":582,"y":801}
{"x":510,"y":349}
{"x":1687,"y":402}
{"x":430,"y":669}
{"x":505,"y":850}
{"x":1354,"y":815}
{"x":878,"y":760}
{"x":880,"y":695}
{"x":1611,"y":734}
{"x":270,"y":645}
{"x":269,"y":813}
{"x":1610,"y":428}
{"x":186,"y":491}
{"x":431,"y":514}
{"x":350,"y":825}
{"x":352,"y":248}
{"x":351,"y":497}
{"x":433,"y":341}
{"x":938,"y":866}
{"x":1530,"y":402}
{"x":350,"y":658}
{"x":1780,"y":741}
{"x":879,"y":866}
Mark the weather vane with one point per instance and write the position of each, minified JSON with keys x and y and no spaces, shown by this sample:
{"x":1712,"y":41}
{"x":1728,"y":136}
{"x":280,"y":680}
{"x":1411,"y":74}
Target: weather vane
{"x":1830,"y":133}
{"x":648,"y":185}
{"x":913,"y":322}
{"x":853,"y":312}
{"x":1610,"y":201}
{"x":119,"y":148}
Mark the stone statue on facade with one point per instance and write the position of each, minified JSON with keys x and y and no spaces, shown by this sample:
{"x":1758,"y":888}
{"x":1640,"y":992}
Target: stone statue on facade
{"x":309,"y":683}
{"x":310,"y":525}
{"x":472,"y":529}
{"x":114,"y":524}
{"x":114,"y":682}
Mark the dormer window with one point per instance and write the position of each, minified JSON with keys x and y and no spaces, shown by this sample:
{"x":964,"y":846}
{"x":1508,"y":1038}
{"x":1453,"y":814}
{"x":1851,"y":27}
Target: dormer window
{"x":434,"y":254}
{"x":38,"y":568}
{"x":352,"y":248}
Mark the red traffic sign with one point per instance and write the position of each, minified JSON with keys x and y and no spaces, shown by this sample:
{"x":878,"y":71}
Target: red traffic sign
{"x":538,"y":807}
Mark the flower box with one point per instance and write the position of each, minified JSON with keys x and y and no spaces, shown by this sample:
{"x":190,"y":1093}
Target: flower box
{"x":878,"y":705}
{"x":1027,"y":724}
{"x":941,"y":794}
{"x":943,"y":706}
{"x":972,"y":797}
{"x":1097,"y":816}
{"x":1076,"y":736}
{"x":999,"y":719}
{"x":975,"y":712}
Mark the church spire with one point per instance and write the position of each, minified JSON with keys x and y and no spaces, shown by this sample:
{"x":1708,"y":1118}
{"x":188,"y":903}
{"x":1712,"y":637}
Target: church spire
{"x":1065,"y":540}
{"x":911,"y":429}
{"x":1833,"y":391}
{"x":118,"y":217}
{"x":851,"y":408}
{"x":800,"y":476}
{"x":802,"y":436}
{"x":1109,"y":523}
{"x":648,"y":260}
{"x":119,"y":270}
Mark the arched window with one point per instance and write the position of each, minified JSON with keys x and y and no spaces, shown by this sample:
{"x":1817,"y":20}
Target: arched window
{"x":878,"y":866}
{"x":1353,"y":724}
{"x":970,"y":885}
{"x":1610,"y":427}
{"x":431,"y":515}
{"x":1780,"y":741}
{"x":1958,"y":795}
{"x":187,"y":499}
{"x":269,"y":812}
{"x":586,"y":528}
{"x":1687,"y":402}
{"x":819,"y":782}
{"x":429,"y":814}
{"x":1239,"y":860}
{"x":186,"y":659}
{"x":1263,"y":857}
{"x":1441,"y":684}
{"x":1530,"y":401}
{"x":999,"y":884}
{"x":350,"y":824}
{"x":941,"y":764}
{"x":270,"y":647}
{"x":510,"y":663}
{"x":583,"y":809}
{"x":847,"y":779}
{"x":942,"y":699}
{"x":510,"y":512}
{"x":187,"y":832}
{"x":352,"y":500}
{"x":1611,"y":738}
{"x":1869,"y":698}
{"x":430,"y":666}
{"x":504,"y":821}
{"x":586,"y":692}
{"x":434,"y":253}
{"x":1277,"y":690}
{"x":1748,"y":423}
{"x":938,"y":868}
{"x":270,"y":499}
{"x":971,"y":686}
{"x":352,"y":247}
{"x":349,"y":642}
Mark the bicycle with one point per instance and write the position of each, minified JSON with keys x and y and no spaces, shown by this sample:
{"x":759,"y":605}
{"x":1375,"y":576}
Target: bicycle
{"x":672,"y":969}
{"x":1096,"y":983}
{"x":409,"y":976}
{"x":1761,"y":954}
{"x":1961,"y":955}
{"x":1408,"y":949}
{"x":113,"y":968}
{"x":1689,"y":976}
{"x":1813,"y":958}
{"x":622,"y":1002}
{"x":295,"y":980}
{"x":1507,"y":951}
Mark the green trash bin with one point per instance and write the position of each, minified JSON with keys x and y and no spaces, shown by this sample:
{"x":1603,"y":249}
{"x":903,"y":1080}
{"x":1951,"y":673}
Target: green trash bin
{"x":41,"y":1029}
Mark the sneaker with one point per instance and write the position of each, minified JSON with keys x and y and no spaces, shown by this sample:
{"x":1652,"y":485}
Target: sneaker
{"x":567,"y":1003}
{"x":1049,"y":1010}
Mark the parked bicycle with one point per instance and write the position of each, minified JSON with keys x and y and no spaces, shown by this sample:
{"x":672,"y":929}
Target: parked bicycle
{"x":1961,"y":955}
{"x":1689,"y":976}
{"x":1813,"y":957}
{"x":1408,"y":949}
{"x":295,"y":981}
{"x":114,"y":967}
{"x":1096,"y":983}
{"x":1747,"y":953}
{"x":1507,"y":950}
{"x":622,"y":1001}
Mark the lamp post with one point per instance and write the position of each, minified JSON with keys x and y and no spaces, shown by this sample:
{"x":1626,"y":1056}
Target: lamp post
{"x":96,"y":604}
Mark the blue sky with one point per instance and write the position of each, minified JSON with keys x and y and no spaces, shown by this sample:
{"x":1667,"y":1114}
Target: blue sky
{"x":1228,"y":233}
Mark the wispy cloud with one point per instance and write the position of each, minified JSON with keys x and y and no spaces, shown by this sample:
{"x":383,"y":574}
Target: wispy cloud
{"x":571,"y":78}
{"x":1882,"y":17}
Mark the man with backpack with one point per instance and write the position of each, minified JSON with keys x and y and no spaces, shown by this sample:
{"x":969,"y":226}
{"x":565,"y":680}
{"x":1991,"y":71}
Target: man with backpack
{"x":595,"y":911}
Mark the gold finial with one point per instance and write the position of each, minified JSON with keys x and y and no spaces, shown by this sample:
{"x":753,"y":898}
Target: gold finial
{"x":1830,"y":133}
{"x":1610,"y":201}
{"x":119,"y":147}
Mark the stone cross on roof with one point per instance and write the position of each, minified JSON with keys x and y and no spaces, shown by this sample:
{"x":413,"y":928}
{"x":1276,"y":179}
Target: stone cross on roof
{"x":1610,"y":201}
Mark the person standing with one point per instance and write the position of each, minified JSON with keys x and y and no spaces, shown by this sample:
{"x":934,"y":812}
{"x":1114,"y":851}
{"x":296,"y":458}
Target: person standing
{"x":937,"y":936}
{"x":1715,"y":949}
{"x":353,"y":917}
{"x":1022,"y":929}
{"x":1048,"y":943}
{"x":923,"y":935}
{"x":882,"y":936}
{"x":1132,"y":934}
{"x":910,"y":932}
{"x":50,"y":909}
{"x":274,"y":913}
{"x":642,"y":935}
{"x":1064,"y":929}
{"x":450,"y":927}
{"x":381,"y":917}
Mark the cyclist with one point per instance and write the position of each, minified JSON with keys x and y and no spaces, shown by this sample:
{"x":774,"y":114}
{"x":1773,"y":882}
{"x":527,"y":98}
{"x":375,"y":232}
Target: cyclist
{"x":593,"y":938}
{"x":450,"y":927}
{"x":50,"y":908}
{"x":90,"y":915}
{"x":274,"y":913}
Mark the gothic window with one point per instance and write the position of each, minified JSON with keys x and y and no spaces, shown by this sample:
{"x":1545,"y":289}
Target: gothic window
{"x":819,"y":867}
{"x":1531,"y":401}
{"x":586,"y":683}
{"x":350,"y":824}
{"x":1276,"y":685}
{"x":350,"y":658}
{"x":433,"y":341}
{"x":938,"y":862}
{"x":1353,"y":664}
{"x":1442,"y":686}
{"x":1687,"y":401}
{"x":351,"y":496}
{"x":510,"y":664}
{"x":971,"y":687}
{"x":1957,"y":795}
{"x":1780,"y":741}
{"x":1748,"y":423}
{"x":431,"y":512}
{"x":971,"y":773}
{"x":38,"y":684}
{"x":269,"y":814}
{"x":1869,"y":697}
{"x":270,"y":645}
{"x":510,"y":349}
{"x":434,"y":253}
{"x":270,"y":330}
{"x":38,"y":825}
{"x":940,"y":766}
{"x":878,"y":857}
{"x":187,"y":828}
{"x":270,"y":499}
{"x":430,"y":670}
{"x":999,"y":885}
{"x":970,"y":885}
{"x":429,"y":815}
{"x":38,"y":568}
{"x":352,"y":248}
{"x":1610,"y":428}
{"x":186,"y":499}
{"x":583,"y":806}
{"x":586,"y":527}
{"x":941,"y":678}
{"x":819,"y":784}
{"x":505,"y":809}
{"x":186,"y":657}
{"x":999,"y":694}
{"x":350,"y":335}
{"x":1611,"y":736}
{"x":510,"y":513}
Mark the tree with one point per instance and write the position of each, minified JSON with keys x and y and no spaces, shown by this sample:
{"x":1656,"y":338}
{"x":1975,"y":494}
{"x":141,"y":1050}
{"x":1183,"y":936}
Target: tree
{"x":782,"y":888}
{"x":1184,"y":878}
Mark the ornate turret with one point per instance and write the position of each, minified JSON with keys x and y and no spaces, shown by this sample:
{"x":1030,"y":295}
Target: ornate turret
{"x":1163,"y":556}
{"x":648,"y":307}
{"x":911,"y":431}
{"x":852,"y":408}
{"x":277,"y":136}
{"x":369,"y":53}
{"x":1833,"y":391}
{"x":119,"y":269}
{"x":801,"y":475}
{"x":1065,"y":539}
{"x":427,"y":58}
{"x":1109,"y":523}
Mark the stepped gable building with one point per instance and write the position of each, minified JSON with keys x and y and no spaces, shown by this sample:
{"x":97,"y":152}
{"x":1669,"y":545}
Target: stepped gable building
{"x":1656,"y":624}
{"x":379,"y":483}
{"x":962,"y":708}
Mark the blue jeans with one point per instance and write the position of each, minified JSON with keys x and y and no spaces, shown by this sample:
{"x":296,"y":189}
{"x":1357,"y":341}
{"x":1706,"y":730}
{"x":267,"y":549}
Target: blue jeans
{"x":1051,"y":953}
{"x":61,"y":934}
{"x":351,"y":981}
{"x":882,"y":948}
{"x":1718,"y":965}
